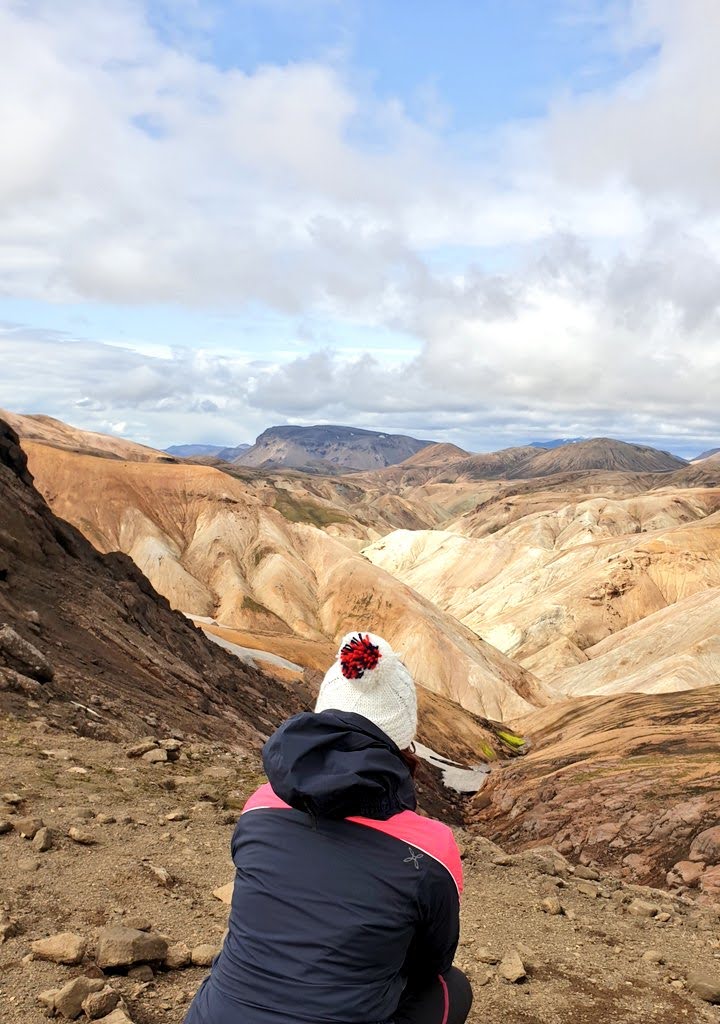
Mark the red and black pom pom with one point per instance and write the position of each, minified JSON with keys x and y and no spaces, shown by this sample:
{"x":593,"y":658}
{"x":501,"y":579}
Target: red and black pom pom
{"x":359,"y":656}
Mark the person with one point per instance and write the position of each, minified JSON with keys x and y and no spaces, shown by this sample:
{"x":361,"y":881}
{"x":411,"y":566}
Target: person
{"x":345,"y":907}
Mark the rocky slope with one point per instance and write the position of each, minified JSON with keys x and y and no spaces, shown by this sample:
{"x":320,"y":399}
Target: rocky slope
{"x":628,"y":782}
{"x":329,"y":449}
{"x":126,"y":843}
{"x":214,"y":549}
{"x":114,"y":646}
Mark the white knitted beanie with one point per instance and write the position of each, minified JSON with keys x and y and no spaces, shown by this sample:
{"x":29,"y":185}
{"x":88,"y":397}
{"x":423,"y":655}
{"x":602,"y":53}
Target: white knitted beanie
{"x":369,"y":679}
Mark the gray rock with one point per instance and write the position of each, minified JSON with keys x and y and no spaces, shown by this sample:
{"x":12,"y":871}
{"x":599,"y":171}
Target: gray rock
{"x":512,"y":968}
{"x":43,"y":840}
{"x":100,"y":1004}
{"x":69,"y":999}
{"x":122,"y":947}
{"x":63,"y":948}
{"x":705,"y":985}
{"x":23,"y":656}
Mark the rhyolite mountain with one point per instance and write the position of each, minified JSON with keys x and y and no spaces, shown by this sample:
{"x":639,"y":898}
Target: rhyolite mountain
{"x":329,"y":449}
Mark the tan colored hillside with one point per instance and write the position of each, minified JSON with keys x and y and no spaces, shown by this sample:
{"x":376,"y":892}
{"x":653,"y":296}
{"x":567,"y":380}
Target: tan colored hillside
{"x":213,"y":549}
{"x":47,"y":430}
{"x":677,"y":648}
{"x":563,"y":579}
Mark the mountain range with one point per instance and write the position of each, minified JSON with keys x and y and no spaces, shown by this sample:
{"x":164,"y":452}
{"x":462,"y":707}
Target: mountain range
{"x":552,"y":590}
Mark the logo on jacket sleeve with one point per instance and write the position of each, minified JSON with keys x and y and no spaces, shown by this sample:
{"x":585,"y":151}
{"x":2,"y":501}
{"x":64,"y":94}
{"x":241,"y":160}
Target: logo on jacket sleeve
{"x":414,"y":858}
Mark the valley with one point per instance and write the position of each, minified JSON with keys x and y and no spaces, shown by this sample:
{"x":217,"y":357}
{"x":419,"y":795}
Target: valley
{"x":559,"y":609}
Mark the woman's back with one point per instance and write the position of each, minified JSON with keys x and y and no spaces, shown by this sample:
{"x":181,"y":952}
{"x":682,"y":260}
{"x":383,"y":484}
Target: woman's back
{"x":331,"y":918}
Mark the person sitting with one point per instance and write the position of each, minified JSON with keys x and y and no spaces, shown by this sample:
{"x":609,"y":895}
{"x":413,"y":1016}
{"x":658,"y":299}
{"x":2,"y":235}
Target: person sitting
{"x":345,"y":908}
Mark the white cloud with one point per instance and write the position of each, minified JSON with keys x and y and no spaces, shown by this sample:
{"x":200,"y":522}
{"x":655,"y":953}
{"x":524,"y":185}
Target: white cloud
{"x":135,"y":172}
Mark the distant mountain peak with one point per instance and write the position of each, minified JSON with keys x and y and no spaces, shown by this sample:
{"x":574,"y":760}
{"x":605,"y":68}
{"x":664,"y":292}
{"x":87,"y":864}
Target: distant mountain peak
{"x":329,"y":448}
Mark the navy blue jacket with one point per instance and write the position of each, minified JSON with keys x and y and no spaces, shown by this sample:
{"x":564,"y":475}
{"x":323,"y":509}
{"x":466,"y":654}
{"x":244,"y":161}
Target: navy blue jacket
{"x":343,"y":895}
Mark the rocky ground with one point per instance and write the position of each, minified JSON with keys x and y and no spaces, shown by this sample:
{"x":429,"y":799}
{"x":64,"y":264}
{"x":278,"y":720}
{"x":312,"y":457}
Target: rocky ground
{"x":93,"y":839}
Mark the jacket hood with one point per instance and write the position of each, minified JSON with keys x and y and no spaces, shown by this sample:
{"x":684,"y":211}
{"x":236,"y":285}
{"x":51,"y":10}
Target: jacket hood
{"x":336,"y":765}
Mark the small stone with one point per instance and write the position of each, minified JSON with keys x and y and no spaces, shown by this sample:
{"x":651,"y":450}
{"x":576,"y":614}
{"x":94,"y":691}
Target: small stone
{"x":69,"y":999}
{"x":12,"y":799}
{"x":224,"y":893}
{"x":641,"y":908}
{"x":105,"y":819}
{"x":63,"y":948}
{"x":142,"y":748}
{"x":161,"y":875}
{"x":663,"y":917}
{"x":486,"y":956}
{"x":141,"y":924}
{"x":117,"y":1016}
{"x":43,"y":840}
{"x":47,"y":998}
{"x":27,"y":828}
{"x":588,"y":889}
{"x":178,"y":956}
{"x":78,"y":770}
{"x":99,"y":1004}
{"x":512,"y":968}
{"x":142,"y":973}
{"x":591,"y":874}
{"x":705,"y":985}
{"x":5,"y":826}
{"x":482,"y":978}
{"x":9,"y":928}
{"x":81,"y":836}
{"x":501,"y":860}
{"x":28,"y":864}
{"x":653,"y":956}
{"x":552,"y":906}
{"x":177,"y":815}
{"x":121,"y":947}
{"x":156,"y":756}
{"x":204,"y":954}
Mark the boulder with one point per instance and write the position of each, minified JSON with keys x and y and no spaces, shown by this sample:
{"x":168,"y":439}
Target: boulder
{"x":122,"y":947}
{"x":18,"y":683}
{"x":685,"y":872}
{"x":706,"y":846}
{"x":710,"y":882}
{"x":69,"y":999}
{"x":23,"y":656}
{"x":142,"y":748}
{"x":63,"y":948}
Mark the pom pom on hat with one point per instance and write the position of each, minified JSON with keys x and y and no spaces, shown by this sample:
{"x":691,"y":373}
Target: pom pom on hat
{"x":369,"y":679}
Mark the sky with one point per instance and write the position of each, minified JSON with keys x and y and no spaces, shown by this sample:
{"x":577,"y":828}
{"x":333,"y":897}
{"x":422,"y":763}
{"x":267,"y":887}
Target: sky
{"x":486,"y":222}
